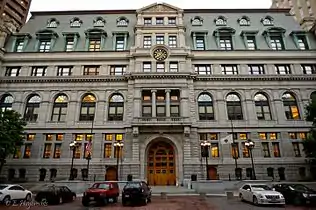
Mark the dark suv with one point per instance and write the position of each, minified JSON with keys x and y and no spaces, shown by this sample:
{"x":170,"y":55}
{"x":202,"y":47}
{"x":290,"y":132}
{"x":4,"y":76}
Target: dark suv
{"x":102,"y":193}
{"x":136,"y":192}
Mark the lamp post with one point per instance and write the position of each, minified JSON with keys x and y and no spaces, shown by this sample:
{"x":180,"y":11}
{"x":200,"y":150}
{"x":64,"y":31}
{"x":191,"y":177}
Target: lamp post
{"x":88,"y":163}
{"x":250,"y":145}
{"x":117,"y":146}
{"x":73,"y":146}
{"x":205,"y":145}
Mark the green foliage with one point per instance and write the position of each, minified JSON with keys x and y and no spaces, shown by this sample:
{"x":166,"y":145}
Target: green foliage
{"x":11,"y":132}
{"x":310,"y":143}
{"x":310,"y":111}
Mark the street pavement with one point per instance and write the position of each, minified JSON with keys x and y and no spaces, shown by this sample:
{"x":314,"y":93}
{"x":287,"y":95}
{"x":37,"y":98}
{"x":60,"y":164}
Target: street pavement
{"x":159,"y":203}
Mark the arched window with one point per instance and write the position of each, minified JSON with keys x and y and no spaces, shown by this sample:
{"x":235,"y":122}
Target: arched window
{"x":205,"y":103}
{"x":122,"y":21}
{"x":221,"y":21}
{"x":116,"y":108}
{"x":6,"y":102}
{"x":244,"y":21}
{"x":52,"y":23}
{"x":290,"y":106}
{"x":197,"y":21}
{"x":60,"y":108}
{"x":262,"y":107}
{"x":75,"y":23}
{"x":32,"y":108}
{"x":87,"y":110}
{"x":234,"y":109}
{"x":99,"y":22}
{"x":267,"y":21}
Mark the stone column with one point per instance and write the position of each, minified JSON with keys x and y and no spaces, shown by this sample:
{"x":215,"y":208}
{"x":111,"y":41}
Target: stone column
{"x":153,"y":103}
{"x":167,"y":103}
{"x":137,"y":103}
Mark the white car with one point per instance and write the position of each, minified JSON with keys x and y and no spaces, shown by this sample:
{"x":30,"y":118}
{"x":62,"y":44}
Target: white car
{"x":260,"y":194}
{"x":14,"y":192}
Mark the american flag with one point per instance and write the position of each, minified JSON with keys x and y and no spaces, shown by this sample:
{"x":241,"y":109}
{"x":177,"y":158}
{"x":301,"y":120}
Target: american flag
{"x":89,"y":146}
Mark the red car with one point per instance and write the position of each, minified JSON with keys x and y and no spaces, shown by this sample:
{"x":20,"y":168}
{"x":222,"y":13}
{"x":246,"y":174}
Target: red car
{"x":101,"y":193}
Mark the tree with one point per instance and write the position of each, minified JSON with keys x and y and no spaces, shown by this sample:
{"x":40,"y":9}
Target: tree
{"x":11,"y":134}
{"x":310,"y":143}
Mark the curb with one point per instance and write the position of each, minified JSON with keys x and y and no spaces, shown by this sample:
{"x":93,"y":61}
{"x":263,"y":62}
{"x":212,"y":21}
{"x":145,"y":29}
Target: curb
{"x":80,"y":195}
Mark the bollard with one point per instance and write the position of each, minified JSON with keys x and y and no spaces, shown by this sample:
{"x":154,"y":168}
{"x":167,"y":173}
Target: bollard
{"x":163,"y":195}
{"x":230,"y":195}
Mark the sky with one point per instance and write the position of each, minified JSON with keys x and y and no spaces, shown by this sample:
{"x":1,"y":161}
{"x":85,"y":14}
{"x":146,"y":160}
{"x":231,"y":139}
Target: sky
{"x":58,"y":5}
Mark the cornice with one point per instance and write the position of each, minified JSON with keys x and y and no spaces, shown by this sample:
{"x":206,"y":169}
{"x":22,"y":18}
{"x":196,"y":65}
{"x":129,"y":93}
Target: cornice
{"x":134,"y":76}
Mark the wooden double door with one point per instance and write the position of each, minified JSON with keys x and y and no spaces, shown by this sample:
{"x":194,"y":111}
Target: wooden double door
{"x":161,"y":169}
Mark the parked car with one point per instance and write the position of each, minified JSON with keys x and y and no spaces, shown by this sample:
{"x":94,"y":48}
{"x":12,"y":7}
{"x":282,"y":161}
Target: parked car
{"x":297,"y":194}
{"x":135,"y":192}
{"x":102,"y":193}
{"x":9,"y":193}
{"x":260,"y":194}
{"x":53,"y":194}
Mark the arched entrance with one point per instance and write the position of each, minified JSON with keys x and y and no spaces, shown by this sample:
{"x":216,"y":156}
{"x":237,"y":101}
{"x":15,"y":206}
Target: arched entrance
{"x":212,"y":172}
{"x":110,"y":174}
{"x":161,"y":169}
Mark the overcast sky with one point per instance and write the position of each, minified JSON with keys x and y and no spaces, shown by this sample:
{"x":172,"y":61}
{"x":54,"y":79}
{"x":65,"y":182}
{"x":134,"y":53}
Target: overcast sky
{"x":57,"y":5}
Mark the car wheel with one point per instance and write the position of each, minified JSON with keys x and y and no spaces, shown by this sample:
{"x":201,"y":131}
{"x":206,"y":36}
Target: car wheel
{"x":149,"y":199}
{"x":145,"y":201}
{"x":6,"y":200}
{"x":85,"y":203}
{"x":241,"y":197}
{"x":124,"y":203}
{"x":28,"y":197}
{"x":255,"y":201}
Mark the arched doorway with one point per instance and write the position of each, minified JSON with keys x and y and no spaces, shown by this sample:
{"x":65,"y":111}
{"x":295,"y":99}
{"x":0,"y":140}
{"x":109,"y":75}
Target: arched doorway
{"x":110,"y":174}
{"x":161,"y":169}
{"x":42,"y":174}
{"x":212,"y":172}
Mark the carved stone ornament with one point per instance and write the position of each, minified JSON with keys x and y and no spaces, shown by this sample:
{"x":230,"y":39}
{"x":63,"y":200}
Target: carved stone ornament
{"x":160,"y":8}
{"x":135,"y":131}
{"x":187,"y":131}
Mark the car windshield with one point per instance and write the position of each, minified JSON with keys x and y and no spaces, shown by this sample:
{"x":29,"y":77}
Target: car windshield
{"x":298,"y":187}
{"x":3,"y":186}
{"x":101,"y":186}
{"x":260,"y":187}
{"x":132,"y":185}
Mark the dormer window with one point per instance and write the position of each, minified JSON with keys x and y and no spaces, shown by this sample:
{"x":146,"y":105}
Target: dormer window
{"x":52,"y":23}
{"x":274,"y":37}
{"x":75,"y":23}
{"x":221,"y":21}
{"x":159,"y":21}
{"x":99,"y":22}
{"x":244,"y":21}
{"x":267,"y":21}
{"x":147,"y":21}
{"x":122,"y":21}
{"x":197,"y":21}
{"x":45,"y":40}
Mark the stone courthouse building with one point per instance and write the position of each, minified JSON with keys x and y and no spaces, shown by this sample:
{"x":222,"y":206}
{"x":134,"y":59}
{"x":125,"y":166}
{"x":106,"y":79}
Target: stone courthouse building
{"x":161,"y":80}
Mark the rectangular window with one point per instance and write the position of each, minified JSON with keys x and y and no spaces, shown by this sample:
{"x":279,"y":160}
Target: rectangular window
{"x":30,"y":137}
{"x":296,"y":148}
{"x":256,"y":69}
{"x":107,"y":150}
{"x":19,"y":45}
{"x":44,"y":45}
{"x":245,"y":151}
{"x":12,"y":71}
{"x":159,"y":21}
{"x":47,"y":150}
{"x":243,"y":136}
{"x":277,"y":43}
{"x":118,"y":137}
{"x":203,"y":69}
{"x":147,"y":21}
{"x":251,"y":43}
{"x":302,"y":43}
{"x":64,"y":71}
{"x":108,"y":137}
{"x":147,"y":42}
{"x":119,"y":43}
{"x":172,"y":42}
{"x":38,"y":71}
{"x":276,"y":149}
{"x":283,"y":69}
{"x":225,"y":43}
{"x":160,"y":67}
{"x":57,"y":151}
{"x":200,"y":43}
{"x":118,"y":152}
{"x":95,"y":44}
{"x":147,"y":67}
{"x":229,"y":69}
{"x":235,"y":150}
{"x":17,"y":152}
{"x":117,"y":70}
{"x":273,"y":136}
{"x":49,"y":137}
{"x":308,"y":69}
{"x":214,"y":150}
{"x":78,"y":151}
{"x":79,"y":137}
{"x":262,"y":136}
{"x":171,"y":21}
{"x":59,"y":137}
{"x":160,"y":39}
{"x":146,"y":111}
{"x":91,"y":70}
{"x":266,"y":149}
{"x":174,"y":111}
{"x":69,"y":44}
{"x":27,"y":151}
{"x":161,"y":111}
{"x":173,"y":66}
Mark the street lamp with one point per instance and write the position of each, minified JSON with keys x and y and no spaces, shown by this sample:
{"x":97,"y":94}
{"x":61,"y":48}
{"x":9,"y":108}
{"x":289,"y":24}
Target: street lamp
{"x":205,"y":145}
{"x":73,"y":146}
{"x":88,"y":158}
{"x":250,"y":145}
{"x":117,"y":146}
